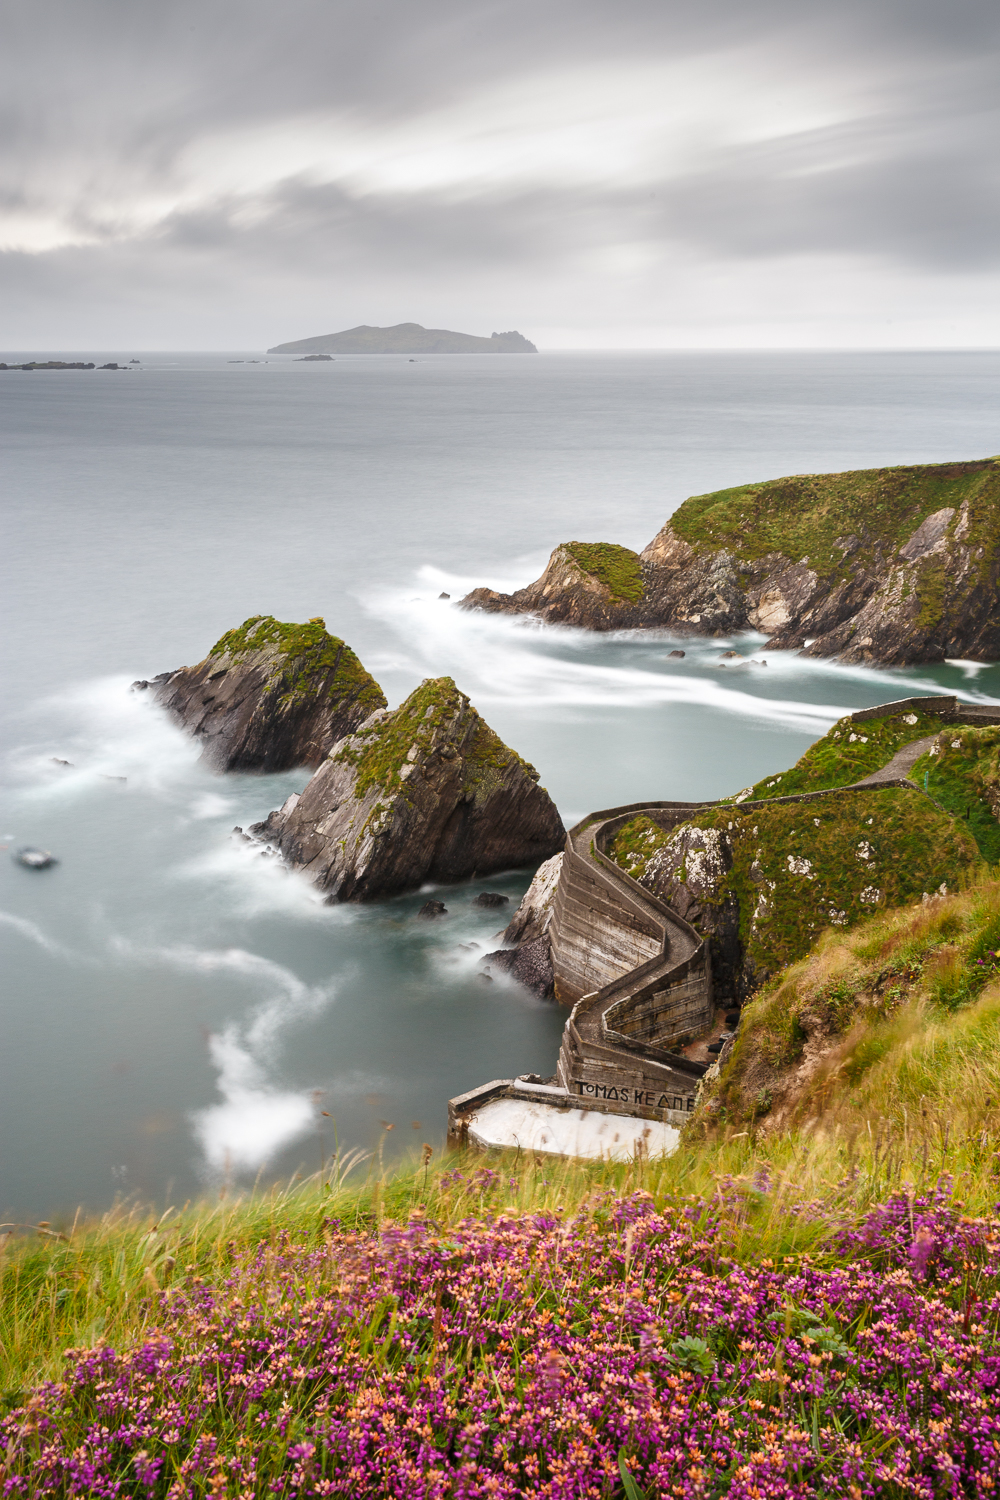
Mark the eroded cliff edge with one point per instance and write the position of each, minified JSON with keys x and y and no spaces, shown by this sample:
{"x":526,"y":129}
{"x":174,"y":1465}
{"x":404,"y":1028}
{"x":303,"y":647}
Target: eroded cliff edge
{"x":270,"y":696}
{"x":424,"y":792}
{"x":892,"y":565}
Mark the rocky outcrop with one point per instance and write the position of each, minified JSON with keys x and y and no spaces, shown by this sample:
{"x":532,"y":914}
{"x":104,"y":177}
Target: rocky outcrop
{"x":424,"y":792}
{"x":530,"y":963}
{"x":270,"y":696}
{"x":891,"y":566}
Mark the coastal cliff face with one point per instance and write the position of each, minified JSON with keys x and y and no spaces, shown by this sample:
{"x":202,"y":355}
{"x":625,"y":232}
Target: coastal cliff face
{"x":878,"y":565}
{"x":270,"y":696}
{"x":425,"y":792}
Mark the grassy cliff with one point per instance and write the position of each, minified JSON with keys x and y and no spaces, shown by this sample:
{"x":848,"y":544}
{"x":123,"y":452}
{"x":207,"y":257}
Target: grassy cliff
{"x":872,"y":511}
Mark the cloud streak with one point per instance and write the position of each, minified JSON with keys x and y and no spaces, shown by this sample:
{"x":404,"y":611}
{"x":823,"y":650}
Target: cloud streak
{"x":473,"y":163}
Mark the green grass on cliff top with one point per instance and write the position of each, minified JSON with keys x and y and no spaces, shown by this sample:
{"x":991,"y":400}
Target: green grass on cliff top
{"x":802,"y":516}
{"x":847,"y":753}
{"x":616,"y":567}
{"x":305,"y":652}
{"x":797,"y":868}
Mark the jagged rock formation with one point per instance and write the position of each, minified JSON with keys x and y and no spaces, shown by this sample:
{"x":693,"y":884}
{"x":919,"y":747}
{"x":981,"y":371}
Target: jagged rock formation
{"x":530,"y":963}
{"x":407,"y":338}
{"x":270,"y":696}
{"x":424,"y":792}
{"x":890,"y":565}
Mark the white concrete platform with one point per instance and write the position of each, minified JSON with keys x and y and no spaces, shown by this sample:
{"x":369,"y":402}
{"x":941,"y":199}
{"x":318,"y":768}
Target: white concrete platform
{"x":541,"y":1127}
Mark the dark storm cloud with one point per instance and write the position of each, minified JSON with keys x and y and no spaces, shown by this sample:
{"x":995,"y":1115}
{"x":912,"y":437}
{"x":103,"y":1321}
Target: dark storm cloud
{"x":189,"y":150}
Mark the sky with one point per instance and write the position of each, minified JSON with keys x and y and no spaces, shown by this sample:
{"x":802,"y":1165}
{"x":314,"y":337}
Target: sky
{"x":229,"y":174}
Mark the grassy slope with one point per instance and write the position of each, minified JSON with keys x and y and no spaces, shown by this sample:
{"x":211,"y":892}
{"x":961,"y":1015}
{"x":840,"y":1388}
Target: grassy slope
{"x":526,"y":1290}
{"x":898,"y":1021}
{"x":803,"y":515}
{"x":616,"y":567}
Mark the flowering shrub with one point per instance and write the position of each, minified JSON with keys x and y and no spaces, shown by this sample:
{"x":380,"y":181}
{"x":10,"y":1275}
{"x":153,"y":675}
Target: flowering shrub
{"x":621,"y":1352}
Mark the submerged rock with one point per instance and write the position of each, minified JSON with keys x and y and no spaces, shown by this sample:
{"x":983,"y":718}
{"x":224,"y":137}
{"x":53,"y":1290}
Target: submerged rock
{"x":270,"y":696}
{"x":491,"y":898}
{"x":34,"y":859}
{"x":890,"y":565}
{"x":432,"y":909}
{"x":424,"y":792}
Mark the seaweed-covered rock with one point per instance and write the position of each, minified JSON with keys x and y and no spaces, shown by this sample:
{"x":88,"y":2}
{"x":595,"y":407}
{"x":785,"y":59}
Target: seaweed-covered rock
{"x":270,"y":696}
{"x":890,"y":565}
{"x":424,"y":792}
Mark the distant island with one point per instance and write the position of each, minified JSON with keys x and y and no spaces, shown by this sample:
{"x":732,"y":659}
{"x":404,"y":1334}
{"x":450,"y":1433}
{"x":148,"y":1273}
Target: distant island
{"x":407,"y":338}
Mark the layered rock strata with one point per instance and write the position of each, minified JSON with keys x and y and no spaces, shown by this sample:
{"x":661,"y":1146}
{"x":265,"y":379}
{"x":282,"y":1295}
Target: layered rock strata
{"x":890,"y":565}
{"x":424,"y":792}
{"x":530,"y":962}
{"x":270,"y":696}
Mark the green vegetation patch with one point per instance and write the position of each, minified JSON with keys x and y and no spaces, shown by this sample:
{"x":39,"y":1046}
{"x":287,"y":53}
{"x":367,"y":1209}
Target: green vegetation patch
{"x":962,"y":772}
{"x":309,"y":653}
{"x":634,"y":845}
{"x":618,"y":568}
{"x":847,"y":753}
{"x":804,"y":516}
{"x":800,"y":867}
{"x":382,"y":751}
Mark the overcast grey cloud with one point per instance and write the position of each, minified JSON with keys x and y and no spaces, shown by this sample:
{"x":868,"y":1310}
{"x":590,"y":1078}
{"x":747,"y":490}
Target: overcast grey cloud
{"x":231,"y":173}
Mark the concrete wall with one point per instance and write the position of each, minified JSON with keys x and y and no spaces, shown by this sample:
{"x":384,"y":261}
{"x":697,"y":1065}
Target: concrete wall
{"x":597,"y":933}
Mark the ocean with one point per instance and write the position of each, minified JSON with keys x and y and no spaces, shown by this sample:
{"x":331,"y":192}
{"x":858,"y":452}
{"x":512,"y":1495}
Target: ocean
{"x":181,"y":1015}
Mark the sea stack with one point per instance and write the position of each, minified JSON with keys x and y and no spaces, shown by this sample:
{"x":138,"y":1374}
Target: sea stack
{"x":424,"y":792}
{"x":270,"y":696}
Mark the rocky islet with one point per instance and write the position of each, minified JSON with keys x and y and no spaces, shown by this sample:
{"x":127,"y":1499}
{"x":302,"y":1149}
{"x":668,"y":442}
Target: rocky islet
{"x":270,"y":696}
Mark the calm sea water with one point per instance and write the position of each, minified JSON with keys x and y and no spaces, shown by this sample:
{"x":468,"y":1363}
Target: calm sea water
{"x":178,"y":1012}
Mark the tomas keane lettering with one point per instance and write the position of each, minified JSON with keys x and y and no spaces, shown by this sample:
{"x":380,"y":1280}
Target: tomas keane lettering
{"x":649,"y":1098}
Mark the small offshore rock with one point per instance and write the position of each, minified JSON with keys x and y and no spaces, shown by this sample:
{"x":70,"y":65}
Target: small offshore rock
{"x":270,"y":696}
{"x":56,"y":761}
{"x":34,"y":859}
{"x":444,"y":596}
{"x":676,"y":654}
{"x":431,"y":909}
{"x":491,"y":898}
{"x":485,"y":978}
{"x":426,"y":792}
{"x":730,"y":656}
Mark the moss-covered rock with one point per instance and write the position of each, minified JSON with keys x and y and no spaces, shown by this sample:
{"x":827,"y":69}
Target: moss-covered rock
{"x":271,"y":695}
{"x":427,"y":791}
